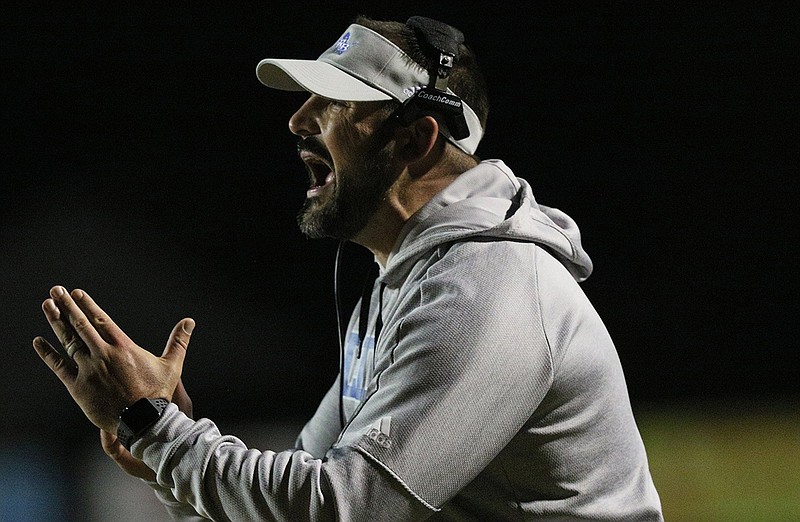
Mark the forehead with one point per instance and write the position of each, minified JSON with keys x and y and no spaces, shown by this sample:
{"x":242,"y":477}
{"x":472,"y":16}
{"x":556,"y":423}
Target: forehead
{"x":356,"y":109}
{"x":369,"y":106}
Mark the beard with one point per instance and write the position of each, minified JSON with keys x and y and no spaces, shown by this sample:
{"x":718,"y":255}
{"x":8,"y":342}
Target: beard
{"x":357,"y":192}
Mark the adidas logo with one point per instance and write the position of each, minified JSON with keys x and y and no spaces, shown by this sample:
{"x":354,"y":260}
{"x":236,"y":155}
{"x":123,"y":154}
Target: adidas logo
{"x":380,"y":430}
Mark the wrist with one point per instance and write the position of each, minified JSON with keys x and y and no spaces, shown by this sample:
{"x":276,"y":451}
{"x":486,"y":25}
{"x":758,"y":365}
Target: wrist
{"x":137,"y":418}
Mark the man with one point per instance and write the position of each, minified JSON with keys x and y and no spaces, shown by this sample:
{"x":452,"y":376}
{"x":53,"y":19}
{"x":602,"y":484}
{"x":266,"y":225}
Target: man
{"x":477,"y":381}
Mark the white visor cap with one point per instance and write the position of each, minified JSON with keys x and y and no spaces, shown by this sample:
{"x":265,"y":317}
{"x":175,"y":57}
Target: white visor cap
{"x":361,"y":66}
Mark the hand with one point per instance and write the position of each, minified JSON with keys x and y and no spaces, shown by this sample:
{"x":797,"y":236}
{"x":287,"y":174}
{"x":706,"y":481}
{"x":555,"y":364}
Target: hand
{"x":108,"y":371}
{"x":123,"y":458}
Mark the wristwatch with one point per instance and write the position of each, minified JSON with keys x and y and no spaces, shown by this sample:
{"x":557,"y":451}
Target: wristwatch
{"x":136,"y":418}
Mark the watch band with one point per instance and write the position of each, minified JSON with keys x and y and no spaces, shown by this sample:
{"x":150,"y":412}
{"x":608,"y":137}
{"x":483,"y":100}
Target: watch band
{"x":136,"y":418}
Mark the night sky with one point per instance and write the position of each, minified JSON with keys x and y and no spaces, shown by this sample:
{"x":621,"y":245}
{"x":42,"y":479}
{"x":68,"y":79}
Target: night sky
{"x":145,"y":163}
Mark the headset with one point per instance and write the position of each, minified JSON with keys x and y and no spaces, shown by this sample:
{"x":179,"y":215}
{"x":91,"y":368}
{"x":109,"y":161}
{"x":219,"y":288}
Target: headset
{"x":439,"y":42}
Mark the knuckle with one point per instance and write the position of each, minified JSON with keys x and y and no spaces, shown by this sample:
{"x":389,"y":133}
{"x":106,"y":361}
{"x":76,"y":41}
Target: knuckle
{"x":181,"y":341}
{"x":58,"y":363}
{"x":81,"y":324}
{"x":61,"y":367}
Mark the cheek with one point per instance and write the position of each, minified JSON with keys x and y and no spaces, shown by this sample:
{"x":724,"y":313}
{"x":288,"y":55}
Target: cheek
{"x":346,"y":144}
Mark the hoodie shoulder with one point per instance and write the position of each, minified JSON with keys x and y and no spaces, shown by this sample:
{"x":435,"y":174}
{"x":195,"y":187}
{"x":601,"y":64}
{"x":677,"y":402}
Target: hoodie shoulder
{"x":488,"y":203}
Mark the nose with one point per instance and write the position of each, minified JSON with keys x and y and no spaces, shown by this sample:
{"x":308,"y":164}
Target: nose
{"x":304,"y":121}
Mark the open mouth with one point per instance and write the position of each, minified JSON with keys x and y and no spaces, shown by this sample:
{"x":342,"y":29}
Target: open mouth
{"x":320,"y":173}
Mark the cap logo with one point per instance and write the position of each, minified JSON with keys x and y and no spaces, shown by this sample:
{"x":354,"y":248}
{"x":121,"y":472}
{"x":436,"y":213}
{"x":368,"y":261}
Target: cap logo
{"x":343,"y":44}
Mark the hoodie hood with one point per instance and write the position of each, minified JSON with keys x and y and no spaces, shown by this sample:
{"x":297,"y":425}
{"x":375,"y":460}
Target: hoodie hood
{"x":487,"y":203}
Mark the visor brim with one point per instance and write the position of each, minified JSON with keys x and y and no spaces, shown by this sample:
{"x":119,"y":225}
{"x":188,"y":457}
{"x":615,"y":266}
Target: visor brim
{"x":316,"y":77}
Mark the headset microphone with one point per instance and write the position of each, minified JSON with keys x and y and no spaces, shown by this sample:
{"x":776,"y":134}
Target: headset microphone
{"x":442,"y":43}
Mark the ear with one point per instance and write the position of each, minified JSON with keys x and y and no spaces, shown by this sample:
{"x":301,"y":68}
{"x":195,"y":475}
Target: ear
{"x":417,"y":139}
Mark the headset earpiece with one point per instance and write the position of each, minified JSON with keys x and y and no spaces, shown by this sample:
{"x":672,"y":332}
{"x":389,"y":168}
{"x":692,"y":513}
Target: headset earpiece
{"x":440,"y":41}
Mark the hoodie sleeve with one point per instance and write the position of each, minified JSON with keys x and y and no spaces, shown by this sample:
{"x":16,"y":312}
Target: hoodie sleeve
{"x":178,"y":511}
{"x":221,"y":479}
{"x":322,"y":430}
{"x":224,"y":480}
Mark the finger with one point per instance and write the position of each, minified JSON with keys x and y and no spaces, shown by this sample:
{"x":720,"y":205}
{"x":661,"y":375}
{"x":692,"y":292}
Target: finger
{"x":182,"y":399}
{"x":76,"y":318}
{"x":64,"y":369}
{"x":101,"y":321}
{"x":111,"y":444}
{"x":178,"y":342}
{"x":64,"y":331}
{"x":123,"y":458}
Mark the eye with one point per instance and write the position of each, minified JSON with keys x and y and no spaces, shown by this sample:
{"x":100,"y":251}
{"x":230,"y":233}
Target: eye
{"x":339,"y":104}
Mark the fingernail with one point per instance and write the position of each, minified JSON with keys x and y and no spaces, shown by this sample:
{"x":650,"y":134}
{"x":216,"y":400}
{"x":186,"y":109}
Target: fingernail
{"x":58,"y":291}
{"x":50,"y":306}
{"x":188,"y":326}
{"x":77,"y":294}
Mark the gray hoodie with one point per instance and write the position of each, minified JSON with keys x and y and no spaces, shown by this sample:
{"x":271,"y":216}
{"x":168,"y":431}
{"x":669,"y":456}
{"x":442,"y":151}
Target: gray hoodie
{"x":493,"y":391}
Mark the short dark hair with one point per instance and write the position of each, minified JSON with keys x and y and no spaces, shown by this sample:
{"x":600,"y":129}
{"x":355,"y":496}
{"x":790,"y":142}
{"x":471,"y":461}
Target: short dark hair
{"x":466,"y":79}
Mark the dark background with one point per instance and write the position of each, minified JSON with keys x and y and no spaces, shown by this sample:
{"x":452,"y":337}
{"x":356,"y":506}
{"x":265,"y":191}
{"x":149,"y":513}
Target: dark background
{"x":144,"y":163}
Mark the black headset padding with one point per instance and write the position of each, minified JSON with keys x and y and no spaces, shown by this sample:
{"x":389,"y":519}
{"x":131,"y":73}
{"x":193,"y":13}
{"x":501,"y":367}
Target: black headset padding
{"x":442,"y":38}
{"x":439,"y":35}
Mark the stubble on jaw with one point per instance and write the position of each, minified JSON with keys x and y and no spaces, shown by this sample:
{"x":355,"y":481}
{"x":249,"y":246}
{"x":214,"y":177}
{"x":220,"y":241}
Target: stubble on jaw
{"x":357,"y":191}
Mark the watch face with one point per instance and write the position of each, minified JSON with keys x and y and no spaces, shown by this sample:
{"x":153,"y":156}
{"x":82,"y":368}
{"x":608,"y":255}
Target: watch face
{"x":142,"y":414}
{"x":139,"y":416}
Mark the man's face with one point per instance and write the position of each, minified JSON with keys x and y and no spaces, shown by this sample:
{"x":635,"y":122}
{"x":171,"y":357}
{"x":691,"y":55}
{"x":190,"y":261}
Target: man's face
{"x":344,"y":147}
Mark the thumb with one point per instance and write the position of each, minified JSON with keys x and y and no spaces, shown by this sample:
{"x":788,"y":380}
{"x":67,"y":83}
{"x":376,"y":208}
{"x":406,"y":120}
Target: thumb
{"x":127,"y":462}
{"x":178,"y":342}
{"x":111,"y":445}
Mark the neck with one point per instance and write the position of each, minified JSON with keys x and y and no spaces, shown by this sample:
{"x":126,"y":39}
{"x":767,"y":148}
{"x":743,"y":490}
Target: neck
{"x":410,"y":192}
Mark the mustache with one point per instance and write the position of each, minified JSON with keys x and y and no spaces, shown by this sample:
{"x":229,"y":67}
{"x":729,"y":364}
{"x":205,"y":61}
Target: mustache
{"x":313,"y":145}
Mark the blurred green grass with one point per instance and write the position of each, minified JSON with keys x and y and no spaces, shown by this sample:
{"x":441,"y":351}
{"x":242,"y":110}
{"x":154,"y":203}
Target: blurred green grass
{"x":725,"y":462}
